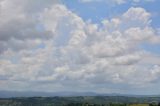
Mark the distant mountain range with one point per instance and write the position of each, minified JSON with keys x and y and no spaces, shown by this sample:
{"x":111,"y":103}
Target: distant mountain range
{"x":9,"y":94}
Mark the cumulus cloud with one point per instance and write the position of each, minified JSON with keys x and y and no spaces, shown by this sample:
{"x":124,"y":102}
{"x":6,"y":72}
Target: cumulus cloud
{"x":56,"y":47}
{"x":19,"y":24}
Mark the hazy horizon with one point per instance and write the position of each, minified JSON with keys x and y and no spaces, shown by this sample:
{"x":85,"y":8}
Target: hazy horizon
{"x":26,"y":94}
{"x":101,"y":46}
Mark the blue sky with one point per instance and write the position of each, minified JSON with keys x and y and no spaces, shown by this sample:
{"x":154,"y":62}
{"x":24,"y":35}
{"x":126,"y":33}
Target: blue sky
{"x":105,"y":46}
{"x":98,"y":11}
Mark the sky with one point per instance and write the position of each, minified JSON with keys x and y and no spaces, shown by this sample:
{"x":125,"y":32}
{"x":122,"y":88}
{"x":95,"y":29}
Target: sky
{"x":103,"y":46}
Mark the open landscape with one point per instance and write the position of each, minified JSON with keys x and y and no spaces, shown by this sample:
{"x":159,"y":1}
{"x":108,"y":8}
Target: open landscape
{"x":8,"y":98}
{"x":81,"y":101}
{"x":79,"y":52}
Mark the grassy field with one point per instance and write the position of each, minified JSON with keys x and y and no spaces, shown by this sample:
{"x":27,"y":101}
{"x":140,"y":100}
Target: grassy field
{"x":139,"y":105}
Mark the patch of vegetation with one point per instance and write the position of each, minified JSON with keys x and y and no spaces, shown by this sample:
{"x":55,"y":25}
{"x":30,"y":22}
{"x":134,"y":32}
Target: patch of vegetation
{"x":82,"y":101}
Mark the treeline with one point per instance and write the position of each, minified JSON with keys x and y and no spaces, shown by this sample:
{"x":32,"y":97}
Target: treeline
{"x":112,"y":104}
{"x":92,"y":104}
{"x":81,"y":101}
{"x":13,"y":103}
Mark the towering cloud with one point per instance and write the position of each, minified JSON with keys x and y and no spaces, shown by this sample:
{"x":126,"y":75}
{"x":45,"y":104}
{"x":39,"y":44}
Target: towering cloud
{"x":50,"y":47}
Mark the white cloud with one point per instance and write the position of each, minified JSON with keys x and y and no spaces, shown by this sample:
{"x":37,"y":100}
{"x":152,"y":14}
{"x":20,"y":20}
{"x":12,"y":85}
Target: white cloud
{"x":66,"y":50}
{"x":128,"y":59}
{"x":20,"y":24}
{"x":137,"y":15}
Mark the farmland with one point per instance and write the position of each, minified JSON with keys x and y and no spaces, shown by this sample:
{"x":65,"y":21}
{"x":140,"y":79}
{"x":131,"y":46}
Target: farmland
{"x":81,"y":101}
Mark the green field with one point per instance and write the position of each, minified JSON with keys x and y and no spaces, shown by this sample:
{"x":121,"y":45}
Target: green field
{"x":138,"y":104}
